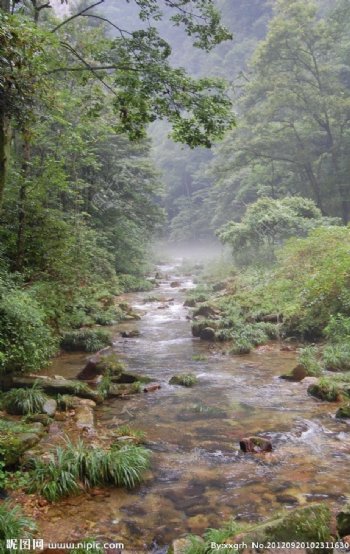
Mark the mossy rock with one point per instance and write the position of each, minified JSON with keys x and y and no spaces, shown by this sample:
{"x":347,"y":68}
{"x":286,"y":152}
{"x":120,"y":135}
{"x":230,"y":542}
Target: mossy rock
{"x":343,"y":412}
{"x":198,"y":326}
{"x":326,"y":391}
{"x":185,"y":380}
{"x":190,"y":303}
{"x":297,"y":374}
{"x":343,"y":521}
{"x":16,"y":438}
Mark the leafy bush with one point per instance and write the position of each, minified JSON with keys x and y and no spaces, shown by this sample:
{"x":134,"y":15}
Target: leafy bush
{"x":24,"y":401}
{"x":26,"y":341}
{"x":307,"y":357}
{"x":79,"y":465}
{"x":132,"y":283}
{"x":338,"y":328}
{"x":13,"y":525}
{"x":86,"y":340}
{"x":337,"y":357}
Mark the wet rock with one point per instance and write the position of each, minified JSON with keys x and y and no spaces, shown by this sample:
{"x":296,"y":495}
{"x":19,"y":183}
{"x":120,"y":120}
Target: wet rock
{"x":190,"y":303}
{"x":50,"y":407}
{"x":124,"y":389}
{"x":343,"y":521}
{"x":100,"y":362}
{"x":297,"y":374}
{"x":207,"y":334}
{"x":221,"y":285}
{"x":56,"y":386}
{"x":181,"y":546}
{"x":39,"y":418}
{"x":175,"y":284}
{"x":343,"y":412}
{"x":163,"y":307}
{"x":152,"y":387}
{"x":84,"y":416}
{"x":130,"y":334}
{"x":255,"y":445}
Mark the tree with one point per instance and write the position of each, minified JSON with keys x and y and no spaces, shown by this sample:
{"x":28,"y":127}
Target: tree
{"x":267,"y":224}
{"x":133,"y":67}
{"x":294,"y":135}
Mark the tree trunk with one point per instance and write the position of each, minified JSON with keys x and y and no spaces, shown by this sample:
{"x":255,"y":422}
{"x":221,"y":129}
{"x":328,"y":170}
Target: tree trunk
{"x":5,"y":139}
{"x":22,"y":204}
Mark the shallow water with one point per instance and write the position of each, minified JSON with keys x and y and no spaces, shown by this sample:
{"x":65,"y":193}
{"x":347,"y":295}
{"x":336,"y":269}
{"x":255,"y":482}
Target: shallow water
{"x":198,"y":477}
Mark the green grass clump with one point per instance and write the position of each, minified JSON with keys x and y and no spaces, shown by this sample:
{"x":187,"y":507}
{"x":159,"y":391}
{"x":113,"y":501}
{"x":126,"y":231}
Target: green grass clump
{"x":132,"y":283}
{"x":79,"y":466}
{"x":127,"y":431}
{"x":337,"y":357}
{"x":241,"y":346}
{"x":307,"y":358}
{"x":24,"y":401}
{"x":185,"y":380}
{"x":338,"y":329}
{"x":13,"y":525}
{"x":85,"y":340}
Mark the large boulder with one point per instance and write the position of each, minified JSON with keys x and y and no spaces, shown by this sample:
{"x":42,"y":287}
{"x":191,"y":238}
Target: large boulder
{"x":16,"y":438}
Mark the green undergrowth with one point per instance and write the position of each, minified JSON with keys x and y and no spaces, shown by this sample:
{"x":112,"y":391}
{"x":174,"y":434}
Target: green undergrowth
{"x":13,"y":525}
{"x":302,"y":295}
{"x":78,"y":466}
{"x":86,"y":340}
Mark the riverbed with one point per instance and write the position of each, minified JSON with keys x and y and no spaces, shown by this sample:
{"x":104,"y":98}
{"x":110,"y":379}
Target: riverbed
{"x":198,"y":477}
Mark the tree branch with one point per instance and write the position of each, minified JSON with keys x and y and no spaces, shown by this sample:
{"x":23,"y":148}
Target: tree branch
{"x":76,"y":15}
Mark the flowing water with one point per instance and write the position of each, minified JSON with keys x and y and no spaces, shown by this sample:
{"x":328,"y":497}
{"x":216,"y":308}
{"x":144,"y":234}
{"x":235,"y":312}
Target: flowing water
{"x":198,"y":477}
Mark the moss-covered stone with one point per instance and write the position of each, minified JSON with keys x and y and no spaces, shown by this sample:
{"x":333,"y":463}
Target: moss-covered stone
{"x":325,"y":390}
{"x":16,"y":438}
{"x":185,"y":380}
{"x":343,"y":412}
{"x":343,"y":521}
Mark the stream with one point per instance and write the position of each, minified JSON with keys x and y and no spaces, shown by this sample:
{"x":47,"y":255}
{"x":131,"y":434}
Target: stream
{"x":198,"y":476}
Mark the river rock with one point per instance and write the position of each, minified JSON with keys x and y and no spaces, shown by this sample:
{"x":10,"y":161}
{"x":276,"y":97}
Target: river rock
{"x":175,"y":284}
{"x":207,"y":334}
{"x":297,"y":374}
{"x":343,"y":521}
{"x":50,"y":407}
{"x":84,"y":416}
{"x":152,"y":387}
{"x":190,"y":303}
{"x":255,"y":445}
{"x":343,"y":412}
{"x":130,"y":334}
{"x":44,"y":419}
{"x":181,"y":546}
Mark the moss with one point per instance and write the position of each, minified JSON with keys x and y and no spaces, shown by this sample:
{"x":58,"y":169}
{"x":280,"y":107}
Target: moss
{"x":326,"y":390}
{"x":15,"y":439}
{"x":185,"y":380}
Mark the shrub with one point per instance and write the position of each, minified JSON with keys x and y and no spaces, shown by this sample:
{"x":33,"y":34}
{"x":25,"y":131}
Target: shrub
{"x":13,"y":525}
{"x":307,"y":357}
{"x":26,"y":341}
{"x":337,"y":357}
{"x":24,"y":401}
{"x":132,"y":283}
{"x":338,"y":329}
{"x":86,"y":340}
